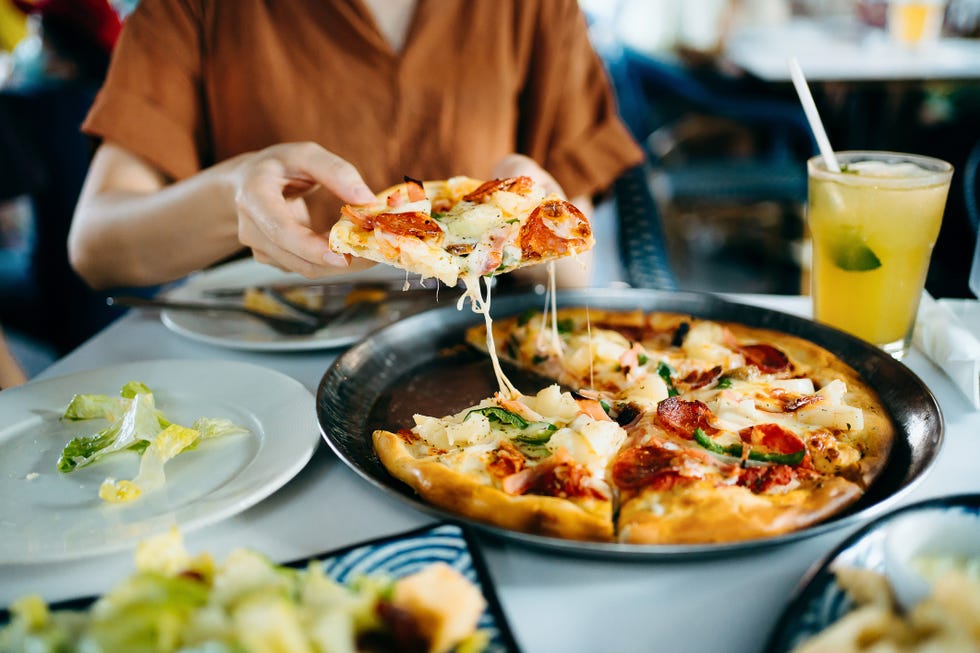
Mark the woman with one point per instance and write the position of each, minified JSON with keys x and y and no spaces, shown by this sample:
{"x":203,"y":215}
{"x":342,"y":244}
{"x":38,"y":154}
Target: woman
{"x":248,"y":124}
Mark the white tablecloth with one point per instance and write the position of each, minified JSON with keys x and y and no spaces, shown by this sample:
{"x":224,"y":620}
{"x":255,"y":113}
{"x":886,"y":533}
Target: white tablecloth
{"x":554,"y":602}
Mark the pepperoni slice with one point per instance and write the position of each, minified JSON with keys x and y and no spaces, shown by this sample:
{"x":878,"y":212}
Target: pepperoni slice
{"x":413,"y":224}
{"x":539,"y":237}
{"x":519,"y":185}
{"x":505,"y":460}
{"x":648,"y":466}
{"x":699,"y":379}
{"x":761,"y":479}
{"x":682,"y":417}
{"x":637,"y":467}
{"x":767,"y":358}
{"x":772,"y":437}
{"x":558,"y":476}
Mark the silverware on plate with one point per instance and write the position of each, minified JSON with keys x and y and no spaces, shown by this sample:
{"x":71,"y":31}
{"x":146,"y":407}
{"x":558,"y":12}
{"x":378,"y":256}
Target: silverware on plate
{"x":294,"y":324}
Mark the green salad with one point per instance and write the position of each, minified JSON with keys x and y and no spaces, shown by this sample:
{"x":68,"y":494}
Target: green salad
{"x":134,"y":423}
{"x":176,"y":602}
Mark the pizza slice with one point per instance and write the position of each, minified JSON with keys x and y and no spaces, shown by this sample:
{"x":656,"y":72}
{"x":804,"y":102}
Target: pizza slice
{"x":530,"y":463}
{"x":691,"y":475}
{"x":462,"y":228}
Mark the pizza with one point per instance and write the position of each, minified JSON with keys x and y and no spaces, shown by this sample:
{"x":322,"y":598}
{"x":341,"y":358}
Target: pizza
{"x":661,"y":428}
{"x":462,"y":228}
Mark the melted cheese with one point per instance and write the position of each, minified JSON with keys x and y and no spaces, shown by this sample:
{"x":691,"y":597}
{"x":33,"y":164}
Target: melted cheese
{"x":590,"y":442}
{"x":479,"y":220}
{"x":419,"y":206}
{"x":466,"y":441}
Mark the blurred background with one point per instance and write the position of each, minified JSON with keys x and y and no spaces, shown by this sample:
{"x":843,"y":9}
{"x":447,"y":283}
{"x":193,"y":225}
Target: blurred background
{"x":702,"y":84}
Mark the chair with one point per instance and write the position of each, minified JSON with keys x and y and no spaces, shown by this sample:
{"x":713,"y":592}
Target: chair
{"x":642,"y":241}
{"x":712,"y":148}
{"x":971,"y":179}
{"x":768,"y":168}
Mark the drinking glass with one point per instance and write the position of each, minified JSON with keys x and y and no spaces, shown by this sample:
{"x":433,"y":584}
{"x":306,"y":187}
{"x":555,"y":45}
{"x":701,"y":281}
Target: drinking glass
{"x":873,"y":226}
{"x":915,"y":23}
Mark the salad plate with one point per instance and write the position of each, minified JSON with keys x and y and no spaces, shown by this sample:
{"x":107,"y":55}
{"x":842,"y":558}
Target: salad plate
{"x":945,"y":527}
{"x":50,"y":515}
{"x":241,"y":332}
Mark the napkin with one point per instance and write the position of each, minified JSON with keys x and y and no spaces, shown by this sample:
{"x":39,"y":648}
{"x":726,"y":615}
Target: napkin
{"x":948,"y":332}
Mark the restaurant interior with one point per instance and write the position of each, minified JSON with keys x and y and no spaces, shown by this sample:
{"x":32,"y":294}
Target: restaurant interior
{"x":726,"y":150}
{"x":719,"y":205}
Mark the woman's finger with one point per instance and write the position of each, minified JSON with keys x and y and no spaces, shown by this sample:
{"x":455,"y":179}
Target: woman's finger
{"x":312,"y":161}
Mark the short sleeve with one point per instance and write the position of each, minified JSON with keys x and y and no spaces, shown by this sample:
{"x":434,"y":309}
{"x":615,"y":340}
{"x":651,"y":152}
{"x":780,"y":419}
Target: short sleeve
{"x":150,"y":102}
{"x":570,"y":123}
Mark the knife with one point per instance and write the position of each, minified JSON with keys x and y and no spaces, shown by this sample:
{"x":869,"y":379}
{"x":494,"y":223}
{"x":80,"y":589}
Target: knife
{"x":330,"y":288}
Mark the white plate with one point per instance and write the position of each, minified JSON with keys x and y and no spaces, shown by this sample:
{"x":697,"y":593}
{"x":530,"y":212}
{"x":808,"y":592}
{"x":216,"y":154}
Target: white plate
{"x":48,"y":515}
{"x":240,"y":332}
{"x":943,"y":526}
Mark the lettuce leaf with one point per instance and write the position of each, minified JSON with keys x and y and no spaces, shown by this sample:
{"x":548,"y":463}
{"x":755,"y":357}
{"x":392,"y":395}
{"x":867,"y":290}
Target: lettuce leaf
{"x":139,"y":422}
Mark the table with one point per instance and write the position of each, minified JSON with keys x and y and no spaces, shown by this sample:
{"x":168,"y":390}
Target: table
{"x":554,"y":602}
{"x":843,"y":51}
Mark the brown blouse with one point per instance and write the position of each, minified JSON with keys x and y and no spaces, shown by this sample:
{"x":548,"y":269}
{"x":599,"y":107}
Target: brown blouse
{"x":193,"y":82}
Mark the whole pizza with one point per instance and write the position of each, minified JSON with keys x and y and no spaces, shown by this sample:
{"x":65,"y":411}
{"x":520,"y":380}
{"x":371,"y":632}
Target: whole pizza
{"x":659,"y":428}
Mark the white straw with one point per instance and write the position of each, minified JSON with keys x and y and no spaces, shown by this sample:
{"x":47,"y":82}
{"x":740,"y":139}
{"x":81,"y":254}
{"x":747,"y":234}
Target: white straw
{"x":810,"y":109}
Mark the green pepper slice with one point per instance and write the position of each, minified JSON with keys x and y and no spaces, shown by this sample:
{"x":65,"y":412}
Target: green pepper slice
{"x":665,"y":372}
{"x":735,"y":450}
{"x":531,"y":432}
{"x":501,"y":415}
{"x":536,"y":433}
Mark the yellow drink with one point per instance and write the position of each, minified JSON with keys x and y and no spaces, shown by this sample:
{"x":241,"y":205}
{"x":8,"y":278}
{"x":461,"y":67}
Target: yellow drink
{"x":873,"y":227}
{"x":913,"y":23}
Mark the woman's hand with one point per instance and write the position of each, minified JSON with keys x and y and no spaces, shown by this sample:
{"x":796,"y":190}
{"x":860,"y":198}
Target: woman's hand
{"x":273,"y":219}
{"x":134,"y":226}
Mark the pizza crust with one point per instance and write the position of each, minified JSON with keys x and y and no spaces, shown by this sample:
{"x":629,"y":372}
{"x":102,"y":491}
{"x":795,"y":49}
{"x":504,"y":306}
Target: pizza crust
{"x":461,"y":494}
{"x":702,"y":513}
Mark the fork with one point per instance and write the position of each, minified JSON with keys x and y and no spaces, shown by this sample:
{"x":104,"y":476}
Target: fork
{"x":300,"y":324}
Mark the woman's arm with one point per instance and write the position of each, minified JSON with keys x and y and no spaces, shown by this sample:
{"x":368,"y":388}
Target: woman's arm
{"x":11,"y":373}
{"x":134,"y":228}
